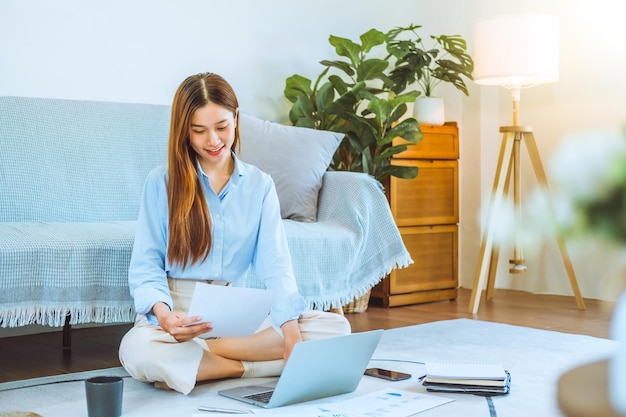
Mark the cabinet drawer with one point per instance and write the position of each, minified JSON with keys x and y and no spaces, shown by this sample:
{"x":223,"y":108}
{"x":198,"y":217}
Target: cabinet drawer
{"x":431,"y":198}
{"x":434,"y":253}
{"x":438,"y":142}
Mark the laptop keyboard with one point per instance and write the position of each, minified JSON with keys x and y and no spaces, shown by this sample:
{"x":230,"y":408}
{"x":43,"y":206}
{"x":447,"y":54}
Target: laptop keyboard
{"x":262,"y":397}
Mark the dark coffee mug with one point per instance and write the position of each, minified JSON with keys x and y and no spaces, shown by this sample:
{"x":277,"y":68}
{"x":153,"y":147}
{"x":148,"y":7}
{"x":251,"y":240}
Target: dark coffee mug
{"x":104,"y":396}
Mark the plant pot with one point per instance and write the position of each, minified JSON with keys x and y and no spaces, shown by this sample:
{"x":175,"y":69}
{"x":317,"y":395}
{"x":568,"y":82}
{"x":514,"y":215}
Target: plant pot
{"x":358,"y":305}
{"x":429,"y":110}
{"x":617,"y":363}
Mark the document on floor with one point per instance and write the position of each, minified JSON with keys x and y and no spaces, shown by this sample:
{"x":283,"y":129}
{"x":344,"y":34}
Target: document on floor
{"x":382,"y":403}
{"x":233,"y":311}
{"x":387,"y":403}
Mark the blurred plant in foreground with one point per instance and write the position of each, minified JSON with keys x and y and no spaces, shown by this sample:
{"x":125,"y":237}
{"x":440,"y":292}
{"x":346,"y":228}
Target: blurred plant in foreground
{"x":588,"y":185}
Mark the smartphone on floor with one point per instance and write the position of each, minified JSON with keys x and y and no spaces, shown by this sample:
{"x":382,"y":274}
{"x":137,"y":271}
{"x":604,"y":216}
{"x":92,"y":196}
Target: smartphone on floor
{"x":387,"y":374}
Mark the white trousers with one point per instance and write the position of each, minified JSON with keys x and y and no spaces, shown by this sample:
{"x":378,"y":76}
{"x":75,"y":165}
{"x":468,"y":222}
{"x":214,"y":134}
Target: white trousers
{"x":150,"y":354}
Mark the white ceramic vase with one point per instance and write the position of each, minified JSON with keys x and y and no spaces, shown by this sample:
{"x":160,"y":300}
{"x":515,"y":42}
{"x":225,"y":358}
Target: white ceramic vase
{"x":617,"y":363}
{"x":429,"y":110}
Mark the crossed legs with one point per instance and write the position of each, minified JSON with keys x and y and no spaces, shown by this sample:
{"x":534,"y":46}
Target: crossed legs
{"x":224,"y":357}
{"x":150,"y":354}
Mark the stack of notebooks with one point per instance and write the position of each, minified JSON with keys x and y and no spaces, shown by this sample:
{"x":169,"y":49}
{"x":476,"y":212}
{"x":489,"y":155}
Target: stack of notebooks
{"x":472,"y":378}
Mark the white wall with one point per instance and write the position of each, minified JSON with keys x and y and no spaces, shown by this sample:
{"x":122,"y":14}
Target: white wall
{"x":140,"y":50}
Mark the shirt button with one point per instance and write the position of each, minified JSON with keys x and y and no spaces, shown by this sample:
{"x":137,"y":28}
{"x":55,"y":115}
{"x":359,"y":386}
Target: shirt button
{"x":218,"y":246}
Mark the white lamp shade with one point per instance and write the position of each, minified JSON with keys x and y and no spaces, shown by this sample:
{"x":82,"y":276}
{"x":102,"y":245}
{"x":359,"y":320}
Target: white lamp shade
{"x":516,"y":51}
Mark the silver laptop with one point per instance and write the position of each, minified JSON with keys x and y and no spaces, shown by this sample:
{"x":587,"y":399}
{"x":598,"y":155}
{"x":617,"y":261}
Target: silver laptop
{"x":315,"y":369}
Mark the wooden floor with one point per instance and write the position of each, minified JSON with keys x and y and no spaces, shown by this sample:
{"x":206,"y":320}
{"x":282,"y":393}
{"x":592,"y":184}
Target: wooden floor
{"x":38,"y":355}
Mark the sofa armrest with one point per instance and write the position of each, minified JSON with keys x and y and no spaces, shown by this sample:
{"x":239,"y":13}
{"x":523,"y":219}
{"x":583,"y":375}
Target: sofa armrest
{"x":345,"y":192}
{"x":357,"y":202}
{"x":352,"y":246}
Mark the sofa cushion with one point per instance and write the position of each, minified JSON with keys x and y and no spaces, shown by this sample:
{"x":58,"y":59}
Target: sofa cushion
{"x":295,"y":157}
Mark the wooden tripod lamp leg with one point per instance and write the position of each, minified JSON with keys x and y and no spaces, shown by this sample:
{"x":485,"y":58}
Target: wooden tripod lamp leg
{"x":497,"y":197}
{"x":535,"y":159}
{"x":493,"y":269}
{"x":518,"y":265}
{"x":495,"y":252}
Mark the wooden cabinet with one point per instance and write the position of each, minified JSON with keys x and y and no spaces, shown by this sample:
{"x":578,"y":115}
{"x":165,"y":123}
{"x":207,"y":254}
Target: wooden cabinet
{"x":426,"y":211}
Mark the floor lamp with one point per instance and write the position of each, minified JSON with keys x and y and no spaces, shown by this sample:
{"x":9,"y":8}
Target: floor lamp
{"x":515,"y":51}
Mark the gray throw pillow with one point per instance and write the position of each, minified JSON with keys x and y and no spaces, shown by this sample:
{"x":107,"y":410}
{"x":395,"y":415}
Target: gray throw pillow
{"x":296,"y":159}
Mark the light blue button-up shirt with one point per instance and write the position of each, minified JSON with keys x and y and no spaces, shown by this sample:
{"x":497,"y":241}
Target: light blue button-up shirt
{"x":247,"y":233}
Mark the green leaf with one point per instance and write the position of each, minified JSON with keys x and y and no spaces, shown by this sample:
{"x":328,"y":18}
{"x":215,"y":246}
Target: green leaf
{"x":345,"y":47}
{"x":320,"y":77}
{"x":401,"y":172}
{"x":296,"y":86}
{"x":371,"y":69}
{"x":397,"y":114}
{"x":450,"y":75}
{"x":345,"y":105}
{"x":393,"y":150}
{"x":405,"y":98}
{"x":408,"y":129}
{"x":341,"y":66}
{"x":388,"y":83}
{"x":349,"y":99}
{"x":339,"y":84}
{"x":366,"y":160}
{"x":323,"y":99}
{"x":394,"y":33}
{"x":381,"y":109}
{"x":360,"y":130}
{"x":301,"y":113}
{"x":451,"y":43}
{"x":400,"y":49}
{"x":372,"y":38}
{"x":448,"y":66}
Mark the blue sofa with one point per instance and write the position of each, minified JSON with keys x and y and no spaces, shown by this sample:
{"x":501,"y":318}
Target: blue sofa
{"x":71,"y":177}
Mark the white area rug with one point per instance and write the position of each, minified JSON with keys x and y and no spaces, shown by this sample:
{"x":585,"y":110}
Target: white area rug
{"x":535,"y":359}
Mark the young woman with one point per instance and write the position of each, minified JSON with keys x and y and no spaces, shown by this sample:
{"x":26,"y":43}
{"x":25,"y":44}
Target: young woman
{"x":209,"y":216}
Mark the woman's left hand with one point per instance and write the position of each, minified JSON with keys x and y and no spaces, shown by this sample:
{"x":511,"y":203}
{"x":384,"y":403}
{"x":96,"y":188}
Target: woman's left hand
{"x":292,"y":335}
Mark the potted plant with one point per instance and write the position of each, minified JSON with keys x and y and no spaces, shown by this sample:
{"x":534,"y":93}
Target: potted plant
{"x":446,"y":60}
{"x":365,"y":96}
{"x":357,"y":99}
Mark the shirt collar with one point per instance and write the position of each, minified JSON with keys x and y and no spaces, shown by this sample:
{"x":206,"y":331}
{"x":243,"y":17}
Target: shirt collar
{"x":239,"y":170}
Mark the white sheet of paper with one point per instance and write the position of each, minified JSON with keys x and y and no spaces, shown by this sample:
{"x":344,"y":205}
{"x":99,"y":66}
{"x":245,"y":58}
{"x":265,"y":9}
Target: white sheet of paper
{"x":389,"y":403}
{"x":382,"y":403}
{"x":232,"y":311}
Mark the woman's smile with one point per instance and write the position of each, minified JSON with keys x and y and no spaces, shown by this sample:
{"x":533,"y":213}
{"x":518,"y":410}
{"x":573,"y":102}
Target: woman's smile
{"x":215,"y":151}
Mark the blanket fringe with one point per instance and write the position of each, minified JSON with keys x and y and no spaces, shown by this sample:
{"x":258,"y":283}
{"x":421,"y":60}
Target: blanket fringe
{"x":55,"y":316}
{"x":376,"y":277}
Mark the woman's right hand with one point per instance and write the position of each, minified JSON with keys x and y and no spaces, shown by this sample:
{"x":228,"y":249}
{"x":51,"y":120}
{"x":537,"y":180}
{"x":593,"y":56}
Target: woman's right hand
{"x":178,"y":324}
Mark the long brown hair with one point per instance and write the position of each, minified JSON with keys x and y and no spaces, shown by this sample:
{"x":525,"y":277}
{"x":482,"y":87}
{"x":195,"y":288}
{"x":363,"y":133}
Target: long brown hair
{"x":189,"y":219}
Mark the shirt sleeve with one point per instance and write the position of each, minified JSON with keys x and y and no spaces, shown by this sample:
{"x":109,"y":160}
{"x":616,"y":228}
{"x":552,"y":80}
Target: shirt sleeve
{"x":272,"y":260}
{"x":147,"y":276}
